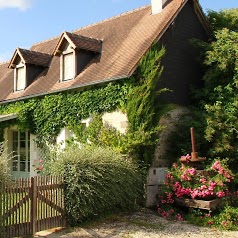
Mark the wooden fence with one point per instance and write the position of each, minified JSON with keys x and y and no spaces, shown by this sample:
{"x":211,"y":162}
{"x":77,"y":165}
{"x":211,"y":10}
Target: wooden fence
{"x":30,"y":205}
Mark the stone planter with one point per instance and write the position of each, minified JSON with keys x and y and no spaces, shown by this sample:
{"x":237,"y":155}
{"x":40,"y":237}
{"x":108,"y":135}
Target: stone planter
{"x":201,"y":204}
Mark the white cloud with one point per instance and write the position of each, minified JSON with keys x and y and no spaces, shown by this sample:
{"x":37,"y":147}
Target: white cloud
{"x":20,"y":4}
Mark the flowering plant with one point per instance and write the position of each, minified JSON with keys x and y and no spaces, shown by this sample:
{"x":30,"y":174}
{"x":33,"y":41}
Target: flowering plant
{"x":188,"y":182}
{"x":39,"y":167}
{"x":185,"y":181}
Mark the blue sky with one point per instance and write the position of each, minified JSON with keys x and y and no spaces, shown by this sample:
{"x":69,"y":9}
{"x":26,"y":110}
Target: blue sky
{"x":24,"y":22}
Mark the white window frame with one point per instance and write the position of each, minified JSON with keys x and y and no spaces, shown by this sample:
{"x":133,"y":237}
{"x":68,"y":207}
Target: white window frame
{"x":69,"y":50}
{"x":16,"y":160}
{"x":16,"y":89}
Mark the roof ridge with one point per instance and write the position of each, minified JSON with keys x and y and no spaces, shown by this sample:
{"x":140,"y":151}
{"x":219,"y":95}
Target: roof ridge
{"x":94,"y":24}
{"x":112,"y":18}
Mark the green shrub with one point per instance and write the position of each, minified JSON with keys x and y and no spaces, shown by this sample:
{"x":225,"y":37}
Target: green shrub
{"x":4,"y":178}
{"x":228,"y":218}
{"x":5,"y":169}
{"x":97,"y":181}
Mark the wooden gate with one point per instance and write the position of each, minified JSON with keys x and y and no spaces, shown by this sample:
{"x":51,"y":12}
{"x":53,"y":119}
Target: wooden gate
{"x":31,"y":205}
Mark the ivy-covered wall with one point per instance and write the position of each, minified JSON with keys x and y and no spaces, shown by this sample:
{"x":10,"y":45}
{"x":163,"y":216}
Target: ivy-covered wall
{"x":47,"y":115}
{"x":136,"y":96}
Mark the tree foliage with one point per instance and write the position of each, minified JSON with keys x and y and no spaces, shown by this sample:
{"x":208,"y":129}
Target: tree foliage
{"x":224,"y":19}
{"x":220,"y":94}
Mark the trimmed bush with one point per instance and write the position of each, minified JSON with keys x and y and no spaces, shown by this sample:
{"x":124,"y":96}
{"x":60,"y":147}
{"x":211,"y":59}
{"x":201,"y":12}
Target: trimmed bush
{"x":98,"y":181}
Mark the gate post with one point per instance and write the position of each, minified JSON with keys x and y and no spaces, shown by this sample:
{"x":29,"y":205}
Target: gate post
{"x":33,"y":196}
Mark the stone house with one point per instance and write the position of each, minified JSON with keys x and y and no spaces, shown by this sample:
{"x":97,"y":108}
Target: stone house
{"x":98,"y":54}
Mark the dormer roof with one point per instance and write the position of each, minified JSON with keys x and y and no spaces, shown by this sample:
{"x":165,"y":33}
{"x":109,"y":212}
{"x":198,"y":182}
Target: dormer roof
{"x":78,"y":42}
{"x":30,"y":57}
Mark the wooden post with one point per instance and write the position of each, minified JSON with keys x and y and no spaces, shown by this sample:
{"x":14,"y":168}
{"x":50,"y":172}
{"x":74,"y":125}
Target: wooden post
{"x":33,"y":204}
{"x":194,"y":154}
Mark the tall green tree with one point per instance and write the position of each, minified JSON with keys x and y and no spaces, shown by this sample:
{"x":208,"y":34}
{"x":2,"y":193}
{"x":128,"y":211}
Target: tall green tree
{"x":224,"y":19}
{"x":220,"y":94}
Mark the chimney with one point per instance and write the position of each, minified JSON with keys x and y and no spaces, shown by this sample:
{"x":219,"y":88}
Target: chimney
{"x":157,"y":6}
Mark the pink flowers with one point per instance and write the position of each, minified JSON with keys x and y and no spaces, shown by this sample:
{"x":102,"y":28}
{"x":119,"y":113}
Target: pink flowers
{"x":165,"y":214}
{"x":218,"y":167}
{"x":221,"y":194}
{"x":40,"y":167}
{"x":187,"y":182}
{"x":169,"y":214}
{"x":187,"y":157}
{"x":203,"y":180}
{"x":187,"y":174}
{"x":179,"y":217}
{"x":180,"y":191}
{"x":210,"y":222}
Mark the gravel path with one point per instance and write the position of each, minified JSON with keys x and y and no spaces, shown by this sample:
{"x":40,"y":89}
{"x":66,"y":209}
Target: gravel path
{"x":142,"y":224}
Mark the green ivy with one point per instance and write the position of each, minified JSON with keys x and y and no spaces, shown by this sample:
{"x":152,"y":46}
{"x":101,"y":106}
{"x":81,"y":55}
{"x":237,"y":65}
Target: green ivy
{"x":137,"y":95}
{"x":47,"y":115}
{"x":142,"y":107}
{"x":142,"y":111}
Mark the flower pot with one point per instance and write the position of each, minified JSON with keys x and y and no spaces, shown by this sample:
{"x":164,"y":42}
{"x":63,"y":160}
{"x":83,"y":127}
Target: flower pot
{"x":201,"y":204}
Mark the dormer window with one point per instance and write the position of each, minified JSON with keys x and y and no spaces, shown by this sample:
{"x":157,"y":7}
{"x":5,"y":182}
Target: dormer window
{"x":75,"y":52}
{"x":20,"y":77}
{"x":67,"y":63}
{"x":27,"y":65}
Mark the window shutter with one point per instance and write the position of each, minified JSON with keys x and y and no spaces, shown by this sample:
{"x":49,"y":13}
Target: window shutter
{"x":20,"y":78}
{"x":68,"y":66}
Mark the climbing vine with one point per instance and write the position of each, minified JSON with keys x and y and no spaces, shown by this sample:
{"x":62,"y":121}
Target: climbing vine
{"x":142,"y":111}
{"x":137,"y":95}
{"x":47,"y":115}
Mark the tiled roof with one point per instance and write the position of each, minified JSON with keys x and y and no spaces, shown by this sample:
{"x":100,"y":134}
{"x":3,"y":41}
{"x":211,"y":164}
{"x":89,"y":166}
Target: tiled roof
{"x":86,"y":43}
{"x":31,"y":57}
{"x":125,"y":38}
{"x":78,"y":42}
{"x":37,"y":58}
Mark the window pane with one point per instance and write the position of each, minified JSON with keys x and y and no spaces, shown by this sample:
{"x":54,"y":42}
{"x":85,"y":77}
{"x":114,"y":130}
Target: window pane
{"x":20,"y":78}
{"x":68,"y":68}
{"x":22,"y":166}
{"x":21,"y":153}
